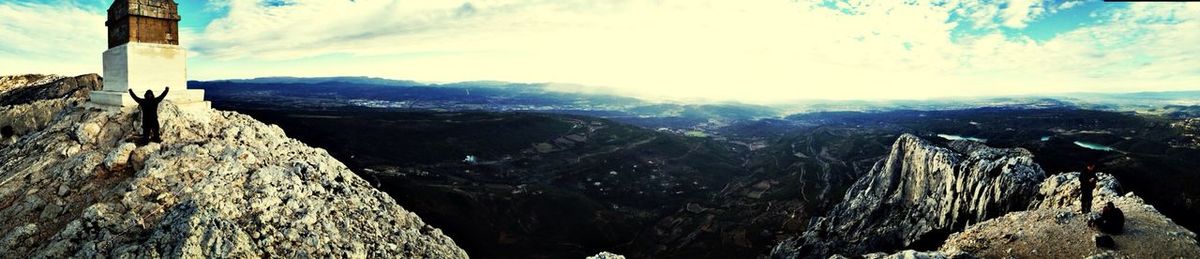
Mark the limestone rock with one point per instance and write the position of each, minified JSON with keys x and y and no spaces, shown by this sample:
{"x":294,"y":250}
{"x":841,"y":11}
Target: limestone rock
{"x":912,"y":254}
{"x":118,"y":157}
{"x":1063,"y":191}
{"x":606,"y":255}
{"x":86,"y":133}
{"x":24,"y":89}
{"x":16,"y":235}
{"x":28,"y":102}
{"x":919,"y":193}
{"x":200,"y":193}
{"x":1054,"y":228}
{"x":138,"y":158}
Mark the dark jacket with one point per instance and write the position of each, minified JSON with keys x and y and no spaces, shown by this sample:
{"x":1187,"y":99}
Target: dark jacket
{"x":149,"y":106}
{"x":1112,"y":220}
{"x":1087,"y":179}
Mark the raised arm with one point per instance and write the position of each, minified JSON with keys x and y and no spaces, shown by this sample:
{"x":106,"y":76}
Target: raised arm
{"x":135,"y":98}
{"x":163,"y":95}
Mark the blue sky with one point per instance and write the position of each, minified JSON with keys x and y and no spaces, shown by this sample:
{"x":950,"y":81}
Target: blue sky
{"x":759,"y":51}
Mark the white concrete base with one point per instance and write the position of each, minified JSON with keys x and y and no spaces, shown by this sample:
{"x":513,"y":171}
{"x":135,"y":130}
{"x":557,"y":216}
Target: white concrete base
{"x":179,"y":97}
{"x":192,"y":107}
{"x":146,"y":66}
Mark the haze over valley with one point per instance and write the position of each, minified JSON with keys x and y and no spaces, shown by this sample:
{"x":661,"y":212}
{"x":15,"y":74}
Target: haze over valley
{"x":499,"y":165}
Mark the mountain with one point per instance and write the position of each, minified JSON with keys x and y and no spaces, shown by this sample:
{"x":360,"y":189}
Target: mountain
{"x":966,"y":200}
{"x":221,"y":184}
{"x":319,"y":80}
{"x":920,"y":193}
{"x":1053,"y":228}
{"x":492,"y":96}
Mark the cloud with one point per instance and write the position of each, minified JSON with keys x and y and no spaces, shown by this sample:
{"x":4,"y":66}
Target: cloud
{"x":1021,"y":12}
{"x":767,"y":50}
{"x":743,"y":50}
{"x":48,"y":38}
{"x":1068,"y":5}
{"x":695,"y":48}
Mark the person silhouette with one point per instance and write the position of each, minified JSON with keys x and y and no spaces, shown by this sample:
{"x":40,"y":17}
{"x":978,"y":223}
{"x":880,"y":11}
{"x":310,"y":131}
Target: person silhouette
{"x":1112,"y":220}
{"x":149,"y":107}
{"x":1087,"y":182}
{"x":7,"y":135}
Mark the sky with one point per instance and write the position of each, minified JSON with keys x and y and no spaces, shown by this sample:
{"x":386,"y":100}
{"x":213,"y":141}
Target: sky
{"x":763,"y":51}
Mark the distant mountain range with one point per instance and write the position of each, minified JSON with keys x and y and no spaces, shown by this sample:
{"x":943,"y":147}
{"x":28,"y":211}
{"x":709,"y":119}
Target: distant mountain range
{"x":318,"y":80}
{"x":592,"y":99}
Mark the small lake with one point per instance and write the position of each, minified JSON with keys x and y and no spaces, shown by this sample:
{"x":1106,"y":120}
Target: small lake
{"x":1093,"y":146}
{"x":1046,"y":138}
{"x":957,"y":137}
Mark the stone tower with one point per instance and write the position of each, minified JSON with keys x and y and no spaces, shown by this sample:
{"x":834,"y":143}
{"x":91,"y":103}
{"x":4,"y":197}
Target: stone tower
{"x":144,"y":54}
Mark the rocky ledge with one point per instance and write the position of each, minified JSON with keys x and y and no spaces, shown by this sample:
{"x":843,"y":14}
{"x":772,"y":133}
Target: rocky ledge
{"x":1054,"y":228}
{"x":919,"y":194}
{"x":888,"y":203}
{"x":219,"y":185}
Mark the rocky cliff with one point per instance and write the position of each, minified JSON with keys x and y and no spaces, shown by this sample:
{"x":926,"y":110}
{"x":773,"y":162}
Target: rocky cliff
{"x":219,"y":185}
{"x":1010,"y":208}
{"x":1054,"y":228}
{"x":919,"y":194}
{"x":27,"y":102}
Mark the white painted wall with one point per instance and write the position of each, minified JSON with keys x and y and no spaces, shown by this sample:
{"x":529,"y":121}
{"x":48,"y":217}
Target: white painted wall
{"x":145,"y":66}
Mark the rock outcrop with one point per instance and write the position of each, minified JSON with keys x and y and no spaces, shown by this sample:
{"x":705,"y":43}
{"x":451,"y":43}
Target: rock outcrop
{"x":15,"y":90}
{"x":919,"y":194}
{"x":606,"y":255}
{"x":219,"y":185}
{"x":1054,"y":228}
{"x":27,"y":102}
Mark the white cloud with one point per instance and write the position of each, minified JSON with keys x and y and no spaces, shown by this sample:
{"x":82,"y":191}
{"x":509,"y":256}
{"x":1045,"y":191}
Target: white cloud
{"x":745,"y":50}
{"x":671,"y":49}
{"x":42,"y":38}
{"x":1069,"y":4}
{"x":1020,"y":12}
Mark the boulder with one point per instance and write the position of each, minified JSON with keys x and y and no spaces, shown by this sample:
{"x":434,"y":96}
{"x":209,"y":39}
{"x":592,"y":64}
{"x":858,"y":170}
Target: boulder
{"x":119,"y":157}
{"x":606,"y":255}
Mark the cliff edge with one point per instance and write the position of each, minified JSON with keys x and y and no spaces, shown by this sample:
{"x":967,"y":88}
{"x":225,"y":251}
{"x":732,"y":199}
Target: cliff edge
{"x":998,"y":203}
{"x":1054,"y":228}
{"x":220,"y":184}
{"x":917,"y":195}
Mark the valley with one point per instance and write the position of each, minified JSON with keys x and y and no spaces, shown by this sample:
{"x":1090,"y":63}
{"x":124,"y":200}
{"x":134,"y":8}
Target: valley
{"x":503,"y":182}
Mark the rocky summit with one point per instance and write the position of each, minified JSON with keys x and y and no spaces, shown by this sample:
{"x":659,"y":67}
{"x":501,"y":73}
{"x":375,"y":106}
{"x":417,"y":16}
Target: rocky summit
{"x":1054,"y":228}
{"x":221,"y":184}
{"x":991,"y":202}
{"x":920,"y":193}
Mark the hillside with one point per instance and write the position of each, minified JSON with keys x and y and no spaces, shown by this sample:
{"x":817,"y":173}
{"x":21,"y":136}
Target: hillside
{"x":1055,"y":229}
{"x":541,"y":186}
{"x":219,"y":185}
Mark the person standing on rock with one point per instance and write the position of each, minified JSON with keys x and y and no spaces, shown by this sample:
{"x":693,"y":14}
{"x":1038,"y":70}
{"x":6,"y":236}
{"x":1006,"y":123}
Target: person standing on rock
{"x":149,"y":107}
{"x":1087,"y":182}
